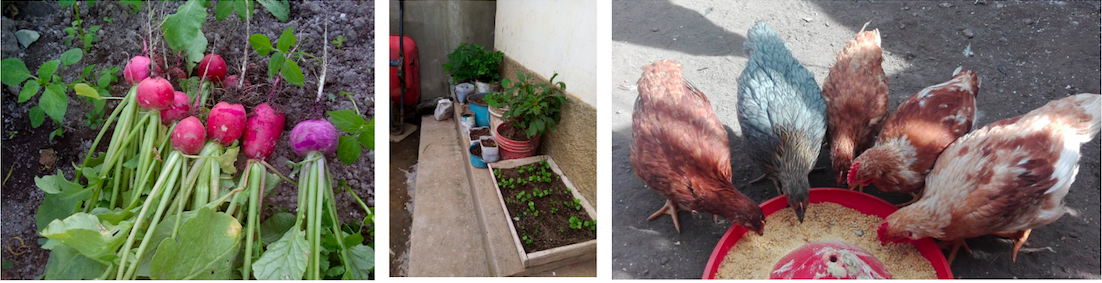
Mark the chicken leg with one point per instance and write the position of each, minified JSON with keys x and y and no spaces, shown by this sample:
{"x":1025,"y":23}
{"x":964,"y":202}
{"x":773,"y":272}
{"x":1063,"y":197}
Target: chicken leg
{"x":1018,"y":237}
{"x":957,"y":244}
{"x":671,"y":209}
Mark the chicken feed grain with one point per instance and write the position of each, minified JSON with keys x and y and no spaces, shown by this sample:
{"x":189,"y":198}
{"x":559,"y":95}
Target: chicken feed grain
{"x":753,"y":256}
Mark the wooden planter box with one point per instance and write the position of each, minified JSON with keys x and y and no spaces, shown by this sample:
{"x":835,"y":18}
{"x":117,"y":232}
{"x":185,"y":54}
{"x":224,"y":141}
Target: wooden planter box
{"x":583,"y":250}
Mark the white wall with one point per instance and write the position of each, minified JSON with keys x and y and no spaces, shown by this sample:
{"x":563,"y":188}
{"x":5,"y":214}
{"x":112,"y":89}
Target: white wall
{"x":552,"y":36}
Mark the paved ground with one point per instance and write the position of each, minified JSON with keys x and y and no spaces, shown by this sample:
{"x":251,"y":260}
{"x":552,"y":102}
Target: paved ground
{"x":1027,"y":53}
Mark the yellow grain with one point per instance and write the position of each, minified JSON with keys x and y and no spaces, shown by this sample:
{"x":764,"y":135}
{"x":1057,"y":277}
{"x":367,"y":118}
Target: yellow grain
{"x":754,"y":256}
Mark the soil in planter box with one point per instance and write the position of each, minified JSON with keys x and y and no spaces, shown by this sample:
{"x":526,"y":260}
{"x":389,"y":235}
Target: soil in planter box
{"x":547,"y":229}
{"x":489,"y":143}
{"x":479,"y":132}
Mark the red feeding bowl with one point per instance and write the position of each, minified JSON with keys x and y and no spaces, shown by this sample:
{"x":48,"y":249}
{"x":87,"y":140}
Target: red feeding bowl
{"x":861,"y":202}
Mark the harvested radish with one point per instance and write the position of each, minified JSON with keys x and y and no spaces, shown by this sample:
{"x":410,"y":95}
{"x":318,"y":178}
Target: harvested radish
{"x":179,"y":109}
{"x":177,"y":73}
{"x":226,"y":122}
{"x":188,"y":137}
{"x":136,"y":70}
{"x":263,"y":131}
{"x":155,"y":94}
{"x":314,"y":135}
{"x":231,"y":82}
{"x":212,"y":67}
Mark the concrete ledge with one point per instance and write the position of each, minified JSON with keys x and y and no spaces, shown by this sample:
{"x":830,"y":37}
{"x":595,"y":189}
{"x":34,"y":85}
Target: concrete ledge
{"x":446,"y":234}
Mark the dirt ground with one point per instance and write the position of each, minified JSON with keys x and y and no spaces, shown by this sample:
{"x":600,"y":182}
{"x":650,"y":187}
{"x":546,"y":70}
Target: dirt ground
{"x":350,"y":70}
{"x":403,"y":183}
{"x":1026,"y":53}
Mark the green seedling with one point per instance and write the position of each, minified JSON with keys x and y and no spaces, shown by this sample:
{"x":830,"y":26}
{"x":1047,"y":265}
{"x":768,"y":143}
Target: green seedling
{"x":361,"y":133}
{"x":339,"y":42}
{"x":53,"y":102}
{"x":575,"y":223}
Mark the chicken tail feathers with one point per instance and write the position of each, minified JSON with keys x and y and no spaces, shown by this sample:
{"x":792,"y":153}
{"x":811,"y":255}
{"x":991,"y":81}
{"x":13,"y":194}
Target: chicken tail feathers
{"x":968,"y":78}
{"x":761,"y":37}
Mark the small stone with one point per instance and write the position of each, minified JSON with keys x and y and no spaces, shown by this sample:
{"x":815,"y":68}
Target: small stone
{"x":905,"y":8}
{"x":980,"y":2}
{"x":619,"y":111}
{"x":860,"y":233}
{"x":968,"y":32}
{"x":999,"y":6}
{"x":654,"y":29}
{"x":902,"y":26}
{"x":1029,"y":21}
{"x":1002,"y":39}
{"x":807,"y":20}
{"x":26,"y":37}
{"x":342,"y":16}
{"x":664,"y":261}
{"x":945,"y":5}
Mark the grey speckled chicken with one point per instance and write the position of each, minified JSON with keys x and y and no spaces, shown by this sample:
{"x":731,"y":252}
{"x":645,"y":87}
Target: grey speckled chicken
{"x":782,"y":114}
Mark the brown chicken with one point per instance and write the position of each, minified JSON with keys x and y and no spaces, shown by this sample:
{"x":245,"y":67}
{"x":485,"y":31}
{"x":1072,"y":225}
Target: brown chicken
{"x":856,"y":96}
{"x":1005,"y":179}
{"x":680,"y":150}
{"x":914,"y":136}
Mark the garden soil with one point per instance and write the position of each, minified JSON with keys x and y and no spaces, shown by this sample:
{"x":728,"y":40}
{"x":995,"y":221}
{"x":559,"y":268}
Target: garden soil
{"x":548,"y":230}
{"x":1026,"y":52}
{"x":350,"y":70}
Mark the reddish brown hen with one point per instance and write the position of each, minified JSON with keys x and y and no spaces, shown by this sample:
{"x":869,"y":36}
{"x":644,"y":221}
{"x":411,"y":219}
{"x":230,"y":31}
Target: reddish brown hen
{"x":914,"y":136}
{"x":680,"y":150}
{"x":1005,"y":179}
{"x":856,"y":96}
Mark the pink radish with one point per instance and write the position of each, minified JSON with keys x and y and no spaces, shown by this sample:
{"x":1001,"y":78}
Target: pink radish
{"x":188,"y":137}
{"x":179,"y":109}
{"x":262,"y":133}
{"x":212,"y":67}
{"x":231,"y":82}
{"x":226,"y":122}
{"x":314,"y":135}
{"x":155,"y":94}
{"x":136,"y":70}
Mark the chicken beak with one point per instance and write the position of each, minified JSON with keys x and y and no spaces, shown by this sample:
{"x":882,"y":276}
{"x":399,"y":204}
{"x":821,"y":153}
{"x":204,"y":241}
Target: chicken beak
{"x":761,"y":229}
{"x":800,"y":211}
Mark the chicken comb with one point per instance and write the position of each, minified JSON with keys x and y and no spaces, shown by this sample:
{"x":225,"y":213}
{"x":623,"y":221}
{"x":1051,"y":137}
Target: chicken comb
{"x":852,"y":171}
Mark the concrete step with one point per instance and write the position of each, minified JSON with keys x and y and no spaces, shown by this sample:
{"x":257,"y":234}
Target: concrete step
{"x":446,"y":237}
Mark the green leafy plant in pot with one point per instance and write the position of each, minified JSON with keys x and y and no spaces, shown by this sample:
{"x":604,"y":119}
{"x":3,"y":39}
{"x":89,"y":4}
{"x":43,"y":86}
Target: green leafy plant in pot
{"x":487,"y":70}
{"x":534,"y":109}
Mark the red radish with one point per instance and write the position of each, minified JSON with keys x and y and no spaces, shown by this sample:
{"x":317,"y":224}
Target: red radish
{"x":262,"y":133}
{"x":177,"y":73}
{"x":179,"y":109}
{"x":136,"y":70}
{"x":188,"y":137}
{"x":226,"y":122}
{"x":314,"y":135}
{"x":231,"y":82}
{"x":212,"y":67}
{"x":155,"y":94}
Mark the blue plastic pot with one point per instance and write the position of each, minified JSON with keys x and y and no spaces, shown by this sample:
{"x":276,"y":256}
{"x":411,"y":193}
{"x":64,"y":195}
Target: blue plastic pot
{"x":481,"y":110}
{"x":475,"y":160}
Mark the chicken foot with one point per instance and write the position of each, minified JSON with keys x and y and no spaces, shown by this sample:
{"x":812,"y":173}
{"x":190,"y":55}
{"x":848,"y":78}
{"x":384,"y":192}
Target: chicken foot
{"x":1018,"y":238}
{"x":671,"y":209}
{"x":957,"y":244}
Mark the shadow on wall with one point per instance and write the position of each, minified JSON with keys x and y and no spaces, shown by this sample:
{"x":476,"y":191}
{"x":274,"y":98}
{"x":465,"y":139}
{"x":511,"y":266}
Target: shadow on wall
{"x":695,"y":34}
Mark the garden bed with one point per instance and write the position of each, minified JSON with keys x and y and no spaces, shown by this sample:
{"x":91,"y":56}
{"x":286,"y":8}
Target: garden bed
{"x":551,"y":220}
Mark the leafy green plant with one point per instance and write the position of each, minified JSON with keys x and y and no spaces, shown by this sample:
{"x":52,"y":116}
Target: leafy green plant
{"x":182,"y":31}
{"x":527,"y":240}
{"x":470,"y":62}
{"x":280,"y":9}
{"x":243,"y":8}
{"x":53,"y":102}
{"x":534,"y":108}
{"x":576,"y":204}
{"x":361,"y":133}
{"x":284,"y":59}
{"x":575,"y":223}
{"x":487,"y":65}
{"x":95,"y":91}
{"x":339,"y":42}
{"x":77,"y":29}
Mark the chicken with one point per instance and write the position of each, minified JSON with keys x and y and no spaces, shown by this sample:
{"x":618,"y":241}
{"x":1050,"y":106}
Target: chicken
{"x":782,"y":114}
{"x":681,"y":151}
{"x":1005,"y":179}
{"x":916,"y":133}
{"x":856,"y":96}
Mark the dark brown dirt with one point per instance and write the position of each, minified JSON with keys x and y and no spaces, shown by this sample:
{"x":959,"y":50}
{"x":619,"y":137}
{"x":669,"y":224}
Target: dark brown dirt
{"x":1026,"y":53}
{"x":551,"y":227}
{"x":508,"y":131}
{"x":403,"y":173}
{"x":480,"y":100}
{"x":476,"y":133}
{"x":489,"y":143}
{"x":477,"y":151}
{"x":349,"y":70}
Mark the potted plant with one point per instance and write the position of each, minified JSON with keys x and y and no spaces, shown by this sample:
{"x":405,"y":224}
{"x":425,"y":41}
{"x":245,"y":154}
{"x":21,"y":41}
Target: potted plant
{"x":487,"y":70}
{"x":459,"y":66}
{"x":533,"y":110}
{"x":497,"y":102}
